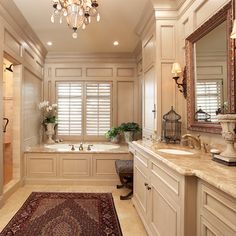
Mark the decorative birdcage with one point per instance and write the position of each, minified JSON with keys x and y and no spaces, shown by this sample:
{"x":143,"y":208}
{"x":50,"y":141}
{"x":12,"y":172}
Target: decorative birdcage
{"x":202,"y":116}
{"x":171,"y":127}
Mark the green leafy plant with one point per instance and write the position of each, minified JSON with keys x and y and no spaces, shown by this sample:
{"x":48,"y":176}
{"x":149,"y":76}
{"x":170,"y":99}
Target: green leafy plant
{"x":113,"y":132}
{"x":130,"y":126}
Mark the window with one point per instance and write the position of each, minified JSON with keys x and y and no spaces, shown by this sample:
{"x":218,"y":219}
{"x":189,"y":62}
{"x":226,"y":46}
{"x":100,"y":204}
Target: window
{"x":209,"y":95}
{"x":69,"y":99}
{"x":98,"y":108}
{"x":84,"y":108}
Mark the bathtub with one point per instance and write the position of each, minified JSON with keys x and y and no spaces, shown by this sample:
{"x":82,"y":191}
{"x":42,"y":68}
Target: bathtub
{"x":94,"y":147}
{"x":58,"y":164}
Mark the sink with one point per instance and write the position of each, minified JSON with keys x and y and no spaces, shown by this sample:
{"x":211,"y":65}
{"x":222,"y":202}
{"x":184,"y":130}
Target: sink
{"x":175,"y":151}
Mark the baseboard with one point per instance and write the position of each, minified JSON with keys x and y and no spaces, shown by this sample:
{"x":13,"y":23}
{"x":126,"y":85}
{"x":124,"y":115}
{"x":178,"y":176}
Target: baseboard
{"x":9,"y":189}
{"x":90,"y":182}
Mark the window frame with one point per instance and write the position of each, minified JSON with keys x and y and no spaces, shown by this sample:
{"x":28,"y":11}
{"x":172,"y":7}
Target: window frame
{"x":84,"y":136}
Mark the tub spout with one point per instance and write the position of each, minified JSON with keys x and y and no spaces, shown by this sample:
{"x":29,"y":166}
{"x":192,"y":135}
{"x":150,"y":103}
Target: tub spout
{"x":81,"y":148}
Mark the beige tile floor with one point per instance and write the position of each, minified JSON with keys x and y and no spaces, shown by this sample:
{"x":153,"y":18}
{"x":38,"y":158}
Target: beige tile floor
{"x":130,"y":222}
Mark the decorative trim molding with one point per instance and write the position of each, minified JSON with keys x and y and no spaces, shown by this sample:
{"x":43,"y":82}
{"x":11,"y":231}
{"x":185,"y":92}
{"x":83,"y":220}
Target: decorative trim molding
{"x":68,"y":57}
{"x":11,"y":14}
{"x":224,"y":14}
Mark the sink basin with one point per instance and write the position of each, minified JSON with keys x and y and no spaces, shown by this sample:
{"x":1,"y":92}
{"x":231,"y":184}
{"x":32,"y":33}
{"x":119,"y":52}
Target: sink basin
{"x":175,"y":151}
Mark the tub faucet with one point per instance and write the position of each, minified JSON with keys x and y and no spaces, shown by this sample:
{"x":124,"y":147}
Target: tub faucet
{"x":81,"y":148}
{"x":195,"y":140}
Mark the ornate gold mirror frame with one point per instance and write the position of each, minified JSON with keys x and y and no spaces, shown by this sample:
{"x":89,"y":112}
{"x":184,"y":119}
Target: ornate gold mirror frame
{"x":225,"y":14}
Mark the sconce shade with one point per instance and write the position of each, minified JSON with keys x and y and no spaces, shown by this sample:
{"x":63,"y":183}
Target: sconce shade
{"x":233,"y":33}
{"x":176,"y":69}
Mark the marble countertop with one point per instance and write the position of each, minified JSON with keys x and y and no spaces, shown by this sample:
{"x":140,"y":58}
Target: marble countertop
{"x":44,"y":148}
{"x":199,"y":164}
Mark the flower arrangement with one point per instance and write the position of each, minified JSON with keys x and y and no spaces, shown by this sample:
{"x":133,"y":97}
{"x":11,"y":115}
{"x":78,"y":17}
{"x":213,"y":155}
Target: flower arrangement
{"x":49,"y":112}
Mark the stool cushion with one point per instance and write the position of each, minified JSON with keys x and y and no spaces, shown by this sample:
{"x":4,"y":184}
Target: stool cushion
{"x":124,"y":166}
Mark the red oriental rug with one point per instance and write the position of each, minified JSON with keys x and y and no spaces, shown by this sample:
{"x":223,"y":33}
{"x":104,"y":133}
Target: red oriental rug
{"x":65,"y":214}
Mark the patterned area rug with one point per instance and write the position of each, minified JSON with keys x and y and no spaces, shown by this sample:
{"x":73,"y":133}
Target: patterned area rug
{"x":65,"y":214}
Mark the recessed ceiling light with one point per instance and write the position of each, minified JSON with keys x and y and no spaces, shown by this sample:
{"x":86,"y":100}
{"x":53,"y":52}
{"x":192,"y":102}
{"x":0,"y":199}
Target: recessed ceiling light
{"x":49,"y":43}
{"x":115,"y":43}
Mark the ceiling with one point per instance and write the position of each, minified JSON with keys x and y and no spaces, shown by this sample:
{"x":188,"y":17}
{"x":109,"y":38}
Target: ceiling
{"x":119,"y":19}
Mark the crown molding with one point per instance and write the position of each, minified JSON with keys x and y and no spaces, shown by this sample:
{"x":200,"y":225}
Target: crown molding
{"x":68,"y":57}
{"x":12,"y":15}
{"x":147,"y":16}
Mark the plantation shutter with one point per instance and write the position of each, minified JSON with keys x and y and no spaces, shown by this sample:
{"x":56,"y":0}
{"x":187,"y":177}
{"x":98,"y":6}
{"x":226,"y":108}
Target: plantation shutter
{"x":209,"y":96}
{"x":69,"y":99}
{"x":98,"y":108}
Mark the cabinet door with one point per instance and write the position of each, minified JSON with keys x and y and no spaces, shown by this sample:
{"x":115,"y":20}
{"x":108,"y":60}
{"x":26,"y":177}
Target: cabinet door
{"x":149,"y":102}
{"x":164,"y":212}
{"x":140,"y":186}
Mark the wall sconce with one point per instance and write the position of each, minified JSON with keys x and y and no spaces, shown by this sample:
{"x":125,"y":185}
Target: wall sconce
{"x":176,"y":70}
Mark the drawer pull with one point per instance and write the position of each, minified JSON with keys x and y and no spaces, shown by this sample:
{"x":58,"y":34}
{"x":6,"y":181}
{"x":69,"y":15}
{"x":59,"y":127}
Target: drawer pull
{"x":146,"y":184}
{"x":149,"y":188}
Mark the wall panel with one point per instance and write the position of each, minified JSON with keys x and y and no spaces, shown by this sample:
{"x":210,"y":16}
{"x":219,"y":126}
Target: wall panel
{"x":125,"y":107}
{"x":168,"y":42}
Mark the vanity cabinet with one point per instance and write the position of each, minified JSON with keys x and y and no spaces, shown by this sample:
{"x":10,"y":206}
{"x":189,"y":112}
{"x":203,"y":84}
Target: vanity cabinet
{"x":164,"y":199}
{"x":216,"y":212}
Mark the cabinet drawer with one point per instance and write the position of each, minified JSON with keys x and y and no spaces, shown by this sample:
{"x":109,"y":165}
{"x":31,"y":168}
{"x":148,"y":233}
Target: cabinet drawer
{"x":165,"y":179}
{"x":141,"y":159}
{"x":218,"y":205}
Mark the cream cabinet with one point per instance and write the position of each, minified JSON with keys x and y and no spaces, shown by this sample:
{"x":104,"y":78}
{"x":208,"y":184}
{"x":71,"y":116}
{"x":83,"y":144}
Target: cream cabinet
{"x":216,"y":212}
{"x":160,"y":197}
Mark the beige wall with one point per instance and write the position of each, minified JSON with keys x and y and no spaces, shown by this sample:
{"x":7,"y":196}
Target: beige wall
{"x":172,"y":24}
{"x":120,"y":69}
{"x":19,"y":44}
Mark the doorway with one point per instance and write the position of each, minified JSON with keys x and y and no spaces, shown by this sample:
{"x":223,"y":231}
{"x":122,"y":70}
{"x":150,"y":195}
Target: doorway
{"x":7,"y":121}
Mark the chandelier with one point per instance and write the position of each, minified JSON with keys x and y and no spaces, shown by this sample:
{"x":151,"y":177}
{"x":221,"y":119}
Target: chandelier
{"x":78,"y":13}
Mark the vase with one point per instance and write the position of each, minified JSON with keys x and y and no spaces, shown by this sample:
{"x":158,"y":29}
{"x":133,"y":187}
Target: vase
{"x":50,"y":131}
{"x":128,"y":136}
{"x":228,"y":122}
{"x":115,"y":139}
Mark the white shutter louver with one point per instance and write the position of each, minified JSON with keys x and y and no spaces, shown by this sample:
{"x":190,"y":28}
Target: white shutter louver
{"x":209,"y":96}
{"x":98,"y":108}
{"x":69,"y":99}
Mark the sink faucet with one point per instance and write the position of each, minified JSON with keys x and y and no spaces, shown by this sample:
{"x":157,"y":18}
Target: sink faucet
{"x":195,"y":140}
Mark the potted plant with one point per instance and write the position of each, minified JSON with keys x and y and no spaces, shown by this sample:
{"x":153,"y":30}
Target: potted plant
{"x":113,"y":134}
{"x":129,"y":129}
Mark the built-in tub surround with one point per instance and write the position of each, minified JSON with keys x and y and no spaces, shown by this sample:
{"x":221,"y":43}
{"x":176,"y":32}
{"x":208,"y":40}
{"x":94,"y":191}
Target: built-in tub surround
{"x":57,"y":163}
{"x":67,"y":147}
{"x":199,"y":164}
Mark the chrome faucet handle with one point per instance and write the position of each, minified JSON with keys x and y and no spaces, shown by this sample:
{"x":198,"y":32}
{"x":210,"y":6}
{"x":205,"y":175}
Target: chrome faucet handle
{"x":89,"y":147}
{"x":72,"y":147}
{"x":205,"y":147}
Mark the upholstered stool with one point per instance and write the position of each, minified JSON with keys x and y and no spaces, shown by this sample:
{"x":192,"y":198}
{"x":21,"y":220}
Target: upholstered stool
{"x":124,"y":169}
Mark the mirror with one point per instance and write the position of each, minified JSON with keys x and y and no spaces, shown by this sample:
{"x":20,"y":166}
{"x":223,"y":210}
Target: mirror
{"x":210,"y":72}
